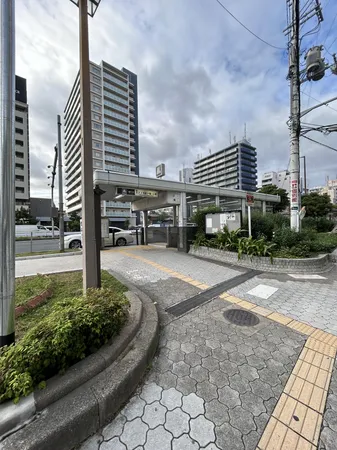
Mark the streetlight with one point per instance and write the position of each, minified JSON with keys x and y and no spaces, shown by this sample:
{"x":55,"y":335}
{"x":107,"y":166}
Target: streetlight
{"x":90,"y":275}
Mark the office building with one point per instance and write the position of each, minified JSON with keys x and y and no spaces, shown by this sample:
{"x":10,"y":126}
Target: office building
{"x":280,"y":179}
{"x":234,"y":167}
{"x":114,"y":115}
{"x":22,"y":171}
{"x":330,"y":188}
{"x":186,"y":175}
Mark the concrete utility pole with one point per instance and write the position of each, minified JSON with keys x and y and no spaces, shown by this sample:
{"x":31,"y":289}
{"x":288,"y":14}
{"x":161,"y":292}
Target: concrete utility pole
{"x":88,"y":210}
{"x":52,"y":185}
{"x":295,"y":108}
{"x":7,"y":177}
{"x":61,"y":212}
{"x":305,"y":173}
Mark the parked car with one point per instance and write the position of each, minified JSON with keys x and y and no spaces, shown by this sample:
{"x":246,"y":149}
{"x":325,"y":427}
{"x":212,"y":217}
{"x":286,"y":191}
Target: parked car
{"x":122,"y":237}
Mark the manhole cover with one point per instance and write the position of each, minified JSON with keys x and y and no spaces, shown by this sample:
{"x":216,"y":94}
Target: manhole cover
{"x":241,"y":317}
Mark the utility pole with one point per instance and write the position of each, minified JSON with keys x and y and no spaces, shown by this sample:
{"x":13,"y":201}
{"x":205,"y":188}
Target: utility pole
{"x":60,"y":171}
{"x":295,"y":108}
{"x":305,"y":173}
{"x":88,"y":211}
{"x":52,"y":185}
{"x":7,"y":178}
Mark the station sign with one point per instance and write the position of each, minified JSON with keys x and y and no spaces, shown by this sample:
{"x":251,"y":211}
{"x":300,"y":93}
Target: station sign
{"x":137,"y":192}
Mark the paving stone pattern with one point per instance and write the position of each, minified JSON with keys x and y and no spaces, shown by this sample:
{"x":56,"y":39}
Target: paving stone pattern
{"x":328,"y":438}
{"x":213,"y":386}
{"x":310,"y":302}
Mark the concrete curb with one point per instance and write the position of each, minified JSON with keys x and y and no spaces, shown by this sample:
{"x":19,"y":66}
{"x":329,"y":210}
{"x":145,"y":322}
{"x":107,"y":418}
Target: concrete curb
{"x":68,"y":416}
{"x":49,"y":255}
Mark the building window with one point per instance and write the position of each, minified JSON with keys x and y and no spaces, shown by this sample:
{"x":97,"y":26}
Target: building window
{"x":19,"y":154}
{"x":97,"y":144}
{"x":97,"y":135}
{"x":18,"y":119}
{"x":95,"y":70}
{"x":95,"y":79}
{"x":19,"y":190}
{"x":20,"y":108}
{"x":19,"y":178}
{"x":18,"y":131}
{"x":18,"y":142}
{"x":96,"y":107}
{"x":97,"y":126}
{"x":97,"y":116}
{"x":19,"y":166}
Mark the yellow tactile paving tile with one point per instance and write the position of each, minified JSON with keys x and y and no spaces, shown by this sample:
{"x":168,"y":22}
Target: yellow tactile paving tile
{"x":280,"y":318}
{"x":321,"y":347}
{"x":203,"y":286}
{"x":317,"y":359}
{"x":313,"y":374}
{"x":246,"y":305}
{"x":196,"y":283}
{"x":301,"y":327}
{"x":307,"y":393}
{"x":278,"y":436}
{"x":233,"y":299}
{"x":224,"y":295}
{"x":325,"y":337}
{"x":299,"y":418}
{"x":262,"y":311}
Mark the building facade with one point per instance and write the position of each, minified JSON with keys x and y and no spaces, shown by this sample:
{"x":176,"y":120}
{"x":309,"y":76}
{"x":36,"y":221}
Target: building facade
{"x":114,"y":120}
{"x":22,"y":169}
{"x":186,"y":175}
{"x":280,"y":179}
{"x":234,"y":167}
{"x":330,"y":188}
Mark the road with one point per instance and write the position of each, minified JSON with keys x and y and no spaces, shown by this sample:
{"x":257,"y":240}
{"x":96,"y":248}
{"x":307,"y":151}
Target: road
{"x":37,"y":245}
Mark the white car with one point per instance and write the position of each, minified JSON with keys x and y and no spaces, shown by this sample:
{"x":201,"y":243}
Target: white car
{"x":122,"y":237}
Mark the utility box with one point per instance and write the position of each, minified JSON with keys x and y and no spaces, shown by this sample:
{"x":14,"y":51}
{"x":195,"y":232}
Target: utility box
{"x":216,"y":222}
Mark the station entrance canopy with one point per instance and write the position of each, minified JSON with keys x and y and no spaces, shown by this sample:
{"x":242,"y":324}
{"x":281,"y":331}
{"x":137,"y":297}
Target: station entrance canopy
{"x":147,"y":194}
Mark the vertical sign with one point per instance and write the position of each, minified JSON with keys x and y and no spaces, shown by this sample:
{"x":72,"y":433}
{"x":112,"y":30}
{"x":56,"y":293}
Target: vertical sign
{"x":294,"y":194}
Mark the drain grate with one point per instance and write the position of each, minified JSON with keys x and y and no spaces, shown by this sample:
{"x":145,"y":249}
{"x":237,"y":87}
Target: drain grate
{"x":241,"y":317}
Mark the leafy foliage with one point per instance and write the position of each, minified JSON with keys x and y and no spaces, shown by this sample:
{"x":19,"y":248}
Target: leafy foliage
{"x":317,"y":205}
{"x":23,"y":217}
{"x":29,"y":287}
{"x":75,"y":328}
{"x":274,"y":190}
{"x":320,"y":224}
{"x":264,"y":225}
{"x":74,"y":224}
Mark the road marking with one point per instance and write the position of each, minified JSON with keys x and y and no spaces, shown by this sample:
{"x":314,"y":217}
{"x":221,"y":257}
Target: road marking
{"x":302,"y":276}
{"x":263,"y":291}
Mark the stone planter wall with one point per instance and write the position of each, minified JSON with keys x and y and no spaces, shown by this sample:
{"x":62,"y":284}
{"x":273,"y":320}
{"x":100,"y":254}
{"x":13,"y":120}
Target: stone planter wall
{"x":282,"y":265}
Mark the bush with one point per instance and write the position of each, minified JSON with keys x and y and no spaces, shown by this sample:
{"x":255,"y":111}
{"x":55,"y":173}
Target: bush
{"x":75,"y":328}
{"x":264,"y":225}
{"x":324,"y":242}
{"x":320,"y":224}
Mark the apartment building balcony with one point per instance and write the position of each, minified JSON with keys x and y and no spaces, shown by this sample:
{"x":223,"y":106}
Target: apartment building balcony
{"x":118,"y":213}
{"x":112,"y":204}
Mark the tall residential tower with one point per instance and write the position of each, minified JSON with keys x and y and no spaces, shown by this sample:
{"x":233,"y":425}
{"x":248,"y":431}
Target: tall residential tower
{"x":22,"y":171}
{"x":233,"y":167}
{"x":114,"y":115}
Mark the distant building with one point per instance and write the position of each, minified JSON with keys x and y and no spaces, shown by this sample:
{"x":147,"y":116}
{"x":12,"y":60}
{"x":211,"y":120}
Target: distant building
{"x":280,"y":179}
{"x":40,"y":210}
{"x":330,"y":188}
{"x":186,"y":175}
{"x":234,"y":167}
{"x":114,"y":121}
{"x":22,"y":170}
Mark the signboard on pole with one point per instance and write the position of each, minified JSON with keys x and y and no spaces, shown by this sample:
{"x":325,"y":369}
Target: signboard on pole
{"x":160,"y":170}
{"x":250,"y":199}
{"x":302,"y":212}
{"x":294,"y":194}
{"x":136,"y":192}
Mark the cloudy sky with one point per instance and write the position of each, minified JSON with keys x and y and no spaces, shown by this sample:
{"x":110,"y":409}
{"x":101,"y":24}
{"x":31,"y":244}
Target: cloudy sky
{"x":200,"y":76}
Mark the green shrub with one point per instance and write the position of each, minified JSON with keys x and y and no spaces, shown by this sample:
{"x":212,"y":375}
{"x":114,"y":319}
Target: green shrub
{"x":254,"y":247}
{"x":75,"y":328}
{"x":324,"y":242}
{"x":263,"y":225}
{"x":320,"y":224}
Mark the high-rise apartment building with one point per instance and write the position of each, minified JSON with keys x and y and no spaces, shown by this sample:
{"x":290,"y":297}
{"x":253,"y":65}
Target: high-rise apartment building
{"x":22,"y":172}
{"x":114,"y":116}
{"x":234,"y":167}
{"x":280,"y":179}
{"x":186,"y":175}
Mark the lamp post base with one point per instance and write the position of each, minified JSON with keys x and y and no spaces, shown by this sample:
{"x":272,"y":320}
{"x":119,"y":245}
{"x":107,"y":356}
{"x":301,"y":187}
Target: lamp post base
{"x":7,"y":340}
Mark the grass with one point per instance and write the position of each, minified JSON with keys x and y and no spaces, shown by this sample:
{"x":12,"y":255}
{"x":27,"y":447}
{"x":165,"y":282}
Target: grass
{"x":64,"y":285}
{"x":47,"y":252}
{"x":29,"y":287}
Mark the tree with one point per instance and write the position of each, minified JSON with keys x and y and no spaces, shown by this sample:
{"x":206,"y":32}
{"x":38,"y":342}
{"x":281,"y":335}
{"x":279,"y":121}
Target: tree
{"x":162,"y":216}
{"x":274,"y":190}
{"x":126,"y":223}
{"x":74,"y":223}
{"x":23,"y":217}
{"x":317,"y":205}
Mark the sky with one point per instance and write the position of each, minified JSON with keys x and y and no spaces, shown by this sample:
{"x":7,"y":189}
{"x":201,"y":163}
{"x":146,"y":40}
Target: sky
{"x":201,"y":76}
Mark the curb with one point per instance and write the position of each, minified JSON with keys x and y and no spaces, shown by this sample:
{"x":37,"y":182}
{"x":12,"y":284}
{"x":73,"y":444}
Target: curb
{"x":72,"y":408}
{"x":49,"y":255}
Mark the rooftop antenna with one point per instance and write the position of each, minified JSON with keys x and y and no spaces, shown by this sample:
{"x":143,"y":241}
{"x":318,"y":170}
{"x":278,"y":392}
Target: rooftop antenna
{"x":210,"y":151}
{"x":245,"y":131}
{"x":230,"y":138}
{"x":234,"y":139}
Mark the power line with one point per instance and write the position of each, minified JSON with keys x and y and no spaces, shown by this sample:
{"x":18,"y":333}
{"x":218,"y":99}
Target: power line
{"x":320,"y":143}
{"x":246,"y":28}
{"x":330,"y":28}
{"x":318,"y":101}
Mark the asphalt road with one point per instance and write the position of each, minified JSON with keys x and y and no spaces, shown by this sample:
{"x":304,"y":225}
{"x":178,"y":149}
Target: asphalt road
{"x":36,"y":245}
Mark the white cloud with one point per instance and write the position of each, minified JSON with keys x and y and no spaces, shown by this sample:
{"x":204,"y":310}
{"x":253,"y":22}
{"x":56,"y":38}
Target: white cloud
{"x":200,"y":76}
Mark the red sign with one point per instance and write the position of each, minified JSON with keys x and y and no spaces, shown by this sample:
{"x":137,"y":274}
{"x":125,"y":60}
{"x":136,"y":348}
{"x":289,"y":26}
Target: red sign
{"x":250,"y":199}
{"x":294,"y":191}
